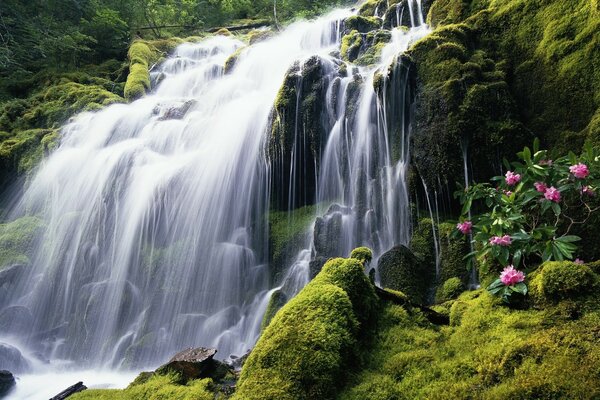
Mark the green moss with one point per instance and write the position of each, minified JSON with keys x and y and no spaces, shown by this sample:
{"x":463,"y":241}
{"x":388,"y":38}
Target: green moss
{"x":288,"y":233}
{"x":142,"y":56}
{"x":351,"y":46}
{"x":453,"y":250}
{"x":362,"y":254}
{"x":157,"y":387}
{"x":451,"y":288}
{"x":490,"y":352}
{"x":16,"y":239}
{"x":361,"y":24}
{"x":556,"y":280}
{"x":277,"y":300}
{"x":305,"y":351}
{"x":232,"y":60}
{"x":399,"y":269}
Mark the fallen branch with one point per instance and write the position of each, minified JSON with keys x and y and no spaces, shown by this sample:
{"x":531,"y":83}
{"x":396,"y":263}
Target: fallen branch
{"x":76,"y":388}
{"x":433,"y":316}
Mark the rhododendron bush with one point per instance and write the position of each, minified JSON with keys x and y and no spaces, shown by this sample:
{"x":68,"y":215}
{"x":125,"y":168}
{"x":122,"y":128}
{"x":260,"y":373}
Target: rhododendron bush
{"x":527,"y":215}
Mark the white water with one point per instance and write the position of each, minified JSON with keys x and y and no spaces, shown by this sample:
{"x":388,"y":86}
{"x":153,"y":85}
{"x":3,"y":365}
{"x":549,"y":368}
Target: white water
{"x":155,"y":238}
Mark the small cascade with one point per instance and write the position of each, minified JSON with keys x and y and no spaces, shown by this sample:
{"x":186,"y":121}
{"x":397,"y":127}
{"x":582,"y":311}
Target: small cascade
{"x":473,"y":277}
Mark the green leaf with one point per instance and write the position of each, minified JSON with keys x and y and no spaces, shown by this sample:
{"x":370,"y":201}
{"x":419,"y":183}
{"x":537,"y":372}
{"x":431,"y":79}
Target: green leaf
{"x":556,"y":209}
{"x":536,"y":145}
{"x":517,"y":258}
{"x":568,"y":239}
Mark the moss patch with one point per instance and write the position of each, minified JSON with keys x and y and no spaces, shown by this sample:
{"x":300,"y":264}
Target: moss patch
{"x":16,"y":239}
{"x":157,"y":387}
{"x":306,"y":349}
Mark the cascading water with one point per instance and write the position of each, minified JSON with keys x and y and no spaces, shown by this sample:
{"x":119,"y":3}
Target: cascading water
{"x":155,"y":237}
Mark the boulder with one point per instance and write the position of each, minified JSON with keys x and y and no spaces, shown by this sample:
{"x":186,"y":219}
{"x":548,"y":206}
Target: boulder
{"x":177,"y":112}
{"x":12,"y":359}
{"x":9,"y":274}
{"x":16,"y":320}
{"x":7,"y":382}
{"x":196,"y":363}
{"x":399,"y":269}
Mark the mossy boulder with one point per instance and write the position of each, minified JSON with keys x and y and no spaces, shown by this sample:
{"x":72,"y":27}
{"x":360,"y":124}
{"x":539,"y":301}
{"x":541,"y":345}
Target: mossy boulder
{"x":277,"y":300}
{"x":453,"y":249}
{"x":558,"y":280}
{"x":361,"y":24}
{"x":399,"y":269}
{"x":362,"y":254}
{"x":305,"y":351}
{"x":142,"y":56}
{"x":17,"y":239}
{"x":449,"y":290}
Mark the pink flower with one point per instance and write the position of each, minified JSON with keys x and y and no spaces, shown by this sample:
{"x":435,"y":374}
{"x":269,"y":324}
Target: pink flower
{"x":552,"y":194}
{"x":546,"y":162}
{"x":588,"y":190}
{"x":465,"y":227}
{"x":512,"y":178}
{"x":508,"y":193}
{"x":580,"y":171}
{"x":501,"y":241}
{"x":510,"y":276}
{"x":540,"y":187}
{"x":578,"y":261}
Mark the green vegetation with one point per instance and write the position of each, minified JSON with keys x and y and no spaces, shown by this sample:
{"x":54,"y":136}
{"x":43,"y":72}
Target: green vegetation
{"x":305,"y":351}
{"x":488,"y":352}
{"x":362,"y":254}
{"x":157,"y":387}
{"x":450,"y":289}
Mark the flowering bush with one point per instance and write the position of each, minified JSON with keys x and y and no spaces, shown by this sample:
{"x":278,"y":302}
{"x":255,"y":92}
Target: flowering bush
{"x":527,"y":216}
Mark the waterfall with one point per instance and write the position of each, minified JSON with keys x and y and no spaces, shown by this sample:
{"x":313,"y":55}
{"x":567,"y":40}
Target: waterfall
{"x":155,"y":236}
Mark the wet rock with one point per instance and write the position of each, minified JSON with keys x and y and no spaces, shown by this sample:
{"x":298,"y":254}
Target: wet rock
{"x":16,"y":320}
{"x":196,"y":363}
{"x":238,"y":362}
{"x":7,"y":383}
{"x":12,"y":359}
{"x":9,"y":274}
{"x":316,"y":264}
{"x":328,"y":230}
{"x":399,"y":269}
{"x":177,"y":112}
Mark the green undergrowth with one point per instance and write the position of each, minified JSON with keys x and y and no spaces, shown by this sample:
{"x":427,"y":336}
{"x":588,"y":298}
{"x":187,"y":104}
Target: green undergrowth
{"x":488,"y":352}
{"x":158,"y":387}
{"x":305,"y":351}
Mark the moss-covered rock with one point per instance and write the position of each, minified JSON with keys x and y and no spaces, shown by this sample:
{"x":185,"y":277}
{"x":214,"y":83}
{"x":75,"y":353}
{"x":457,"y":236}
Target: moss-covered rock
{"x":361,"y":23}
{"x":453,"y":249}
{"x":305,"y":351}
{"x":362,"y":254}
{"x":558,"y":280}
{"x":277,"y":300}
{"x":299,"y":122}
{"x":142,"y":56}
{"x":449,"y":290}
{"x":16,"y":239}
{"x":399,"y":269}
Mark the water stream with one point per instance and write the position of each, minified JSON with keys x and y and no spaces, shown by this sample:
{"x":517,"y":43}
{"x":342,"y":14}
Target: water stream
{"x":154,"y":211}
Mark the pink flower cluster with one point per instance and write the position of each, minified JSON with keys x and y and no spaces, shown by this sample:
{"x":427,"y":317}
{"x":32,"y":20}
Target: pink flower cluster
{"x":501,"y":240}
{"x":512,"y":178}
{"x":540,"y":187}
{"x":465,"y":227}
{"x":579,"y":171}
{"x":552,"y":194}
{"x":588,"y":191}
{"x":510,"y":276}
{"x":579,"y":262}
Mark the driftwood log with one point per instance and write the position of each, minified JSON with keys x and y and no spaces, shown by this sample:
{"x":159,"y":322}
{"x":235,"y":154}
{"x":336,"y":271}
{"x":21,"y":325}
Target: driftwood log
{"x":76,"y":388}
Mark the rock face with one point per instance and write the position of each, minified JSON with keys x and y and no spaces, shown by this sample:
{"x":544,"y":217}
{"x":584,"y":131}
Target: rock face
{"x":7,"y":382}
{"x":196,"y":364}
{"x":399,"y":269}
{"x":16,"y":319}
{"x":12,"y":359}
